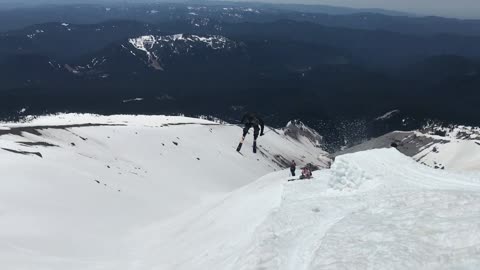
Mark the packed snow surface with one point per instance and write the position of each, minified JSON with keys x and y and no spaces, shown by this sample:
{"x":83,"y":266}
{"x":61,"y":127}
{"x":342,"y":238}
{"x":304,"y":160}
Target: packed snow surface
{"x":114,"y":197}
{"x":373,"y":210}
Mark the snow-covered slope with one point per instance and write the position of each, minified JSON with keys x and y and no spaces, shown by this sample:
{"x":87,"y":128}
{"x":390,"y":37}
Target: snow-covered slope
{"x":456,"y":150}
{"x":450,"y":153}
{"x":75,"y":187}
{"x":373,"y":210}
{"x":376,"y":209}
{"x":158,"y":192}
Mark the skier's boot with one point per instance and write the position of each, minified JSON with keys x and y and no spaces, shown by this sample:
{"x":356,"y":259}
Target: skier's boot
{"x":239,"y":147}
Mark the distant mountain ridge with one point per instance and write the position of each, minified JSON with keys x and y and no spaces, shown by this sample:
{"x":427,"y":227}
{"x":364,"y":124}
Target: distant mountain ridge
{"x":234,"y":12}
{"x":223,"y":61}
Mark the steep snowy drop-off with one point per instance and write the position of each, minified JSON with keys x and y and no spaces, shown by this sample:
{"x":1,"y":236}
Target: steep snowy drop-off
{"x":75,"y":187}
{"x":372,"y":210}
{"x":454,"y":147}
{"x":459,"y":151}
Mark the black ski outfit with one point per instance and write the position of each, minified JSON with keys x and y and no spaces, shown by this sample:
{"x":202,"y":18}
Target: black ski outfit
{"x":293,"y":167}
{"x":251,"y":120}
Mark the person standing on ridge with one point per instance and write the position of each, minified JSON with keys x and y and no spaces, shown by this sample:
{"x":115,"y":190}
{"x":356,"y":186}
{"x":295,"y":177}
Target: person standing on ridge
{"x":252,"y":120}
{"x":293,"y":166}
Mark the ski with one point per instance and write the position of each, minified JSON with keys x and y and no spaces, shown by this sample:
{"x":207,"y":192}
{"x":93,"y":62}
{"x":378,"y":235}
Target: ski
{"x":255,"y":146}
{"x":239,"y":147}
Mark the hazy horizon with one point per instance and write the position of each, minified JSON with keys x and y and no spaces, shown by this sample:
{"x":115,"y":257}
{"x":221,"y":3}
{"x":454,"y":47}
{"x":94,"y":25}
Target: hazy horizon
{"x":446,"y":8}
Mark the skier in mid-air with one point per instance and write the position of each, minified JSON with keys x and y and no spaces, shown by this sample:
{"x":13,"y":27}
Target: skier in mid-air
{"x":252,"y":120}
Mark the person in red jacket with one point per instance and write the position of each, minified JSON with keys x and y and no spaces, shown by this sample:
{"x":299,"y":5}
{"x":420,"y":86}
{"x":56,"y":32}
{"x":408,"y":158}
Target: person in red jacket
{"x":306,"y":172}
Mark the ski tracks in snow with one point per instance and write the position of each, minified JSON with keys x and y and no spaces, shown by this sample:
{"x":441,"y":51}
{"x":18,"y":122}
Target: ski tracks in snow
{"x":292,"y":234}
{"x":371,"y":211}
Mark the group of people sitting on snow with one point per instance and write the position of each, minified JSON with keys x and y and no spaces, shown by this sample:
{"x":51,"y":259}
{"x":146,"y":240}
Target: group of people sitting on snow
{"x":306,"y":171}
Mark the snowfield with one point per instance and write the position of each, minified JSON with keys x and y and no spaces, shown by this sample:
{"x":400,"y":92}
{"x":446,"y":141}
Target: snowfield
{"x":158,"y":192}
{"x":74,"y":187}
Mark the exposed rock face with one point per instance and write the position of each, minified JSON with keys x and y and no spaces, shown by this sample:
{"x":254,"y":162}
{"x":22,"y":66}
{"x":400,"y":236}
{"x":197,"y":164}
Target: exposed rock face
{"x":297,"y":130}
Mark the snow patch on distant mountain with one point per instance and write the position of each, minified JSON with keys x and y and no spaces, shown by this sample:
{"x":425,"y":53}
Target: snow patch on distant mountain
{"x":251,"y":10}
{"x":54,"y":64}
{"x":145,"y":44}
{"x":34,"y":34}
{"x":452,"y":131}
{"x":388,"y":115}
{"x":156,"y":47}
{"x":214,"y":42}
{"x":132,"y":100}
{"x":72,"y":69}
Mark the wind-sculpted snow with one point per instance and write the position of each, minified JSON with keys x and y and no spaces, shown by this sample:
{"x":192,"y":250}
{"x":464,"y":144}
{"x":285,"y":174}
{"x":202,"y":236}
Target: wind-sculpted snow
{"x":347,"y":175}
